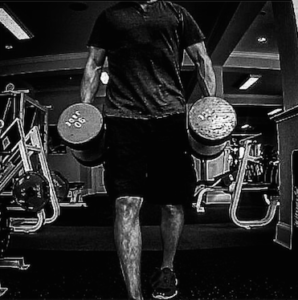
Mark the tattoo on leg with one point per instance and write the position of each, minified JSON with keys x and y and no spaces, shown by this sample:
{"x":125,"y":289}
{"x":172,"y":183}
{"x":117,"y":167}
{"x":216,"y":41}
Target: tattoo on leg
{"x":128,"y":241}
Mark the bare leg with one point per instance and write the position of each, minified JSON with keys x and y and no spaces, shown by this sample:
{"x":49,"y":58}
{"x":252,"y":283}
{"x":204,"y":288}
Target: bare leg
{"x":172,"y":223}
{"x":129,"y":243}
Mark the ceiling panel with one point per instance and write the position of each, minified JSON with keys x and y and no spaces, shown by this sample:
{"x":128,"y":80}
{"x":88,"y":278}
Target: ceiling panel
{"x":263,"y":26}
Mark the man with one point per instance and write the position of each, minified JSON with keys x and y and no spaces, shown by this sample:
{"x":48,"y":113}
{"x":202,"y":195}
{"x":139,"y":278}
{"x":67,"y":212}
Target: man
{"x":145,"y":115}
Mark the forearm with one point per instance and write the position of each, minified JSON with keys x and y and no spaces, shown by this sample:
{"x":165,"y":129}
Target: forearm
{"x":92,"y":72}
{"x":90,"y":82}
{"x":204,"y":68}
{"x":206,"y":77}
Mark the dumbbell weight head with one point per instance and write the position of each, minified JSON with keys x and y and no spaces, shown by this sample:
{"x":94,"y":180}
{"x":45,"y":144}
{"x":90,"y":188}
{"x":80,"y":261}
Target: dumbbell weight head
{"x":211,"y":121}
{"x":81,"y":127}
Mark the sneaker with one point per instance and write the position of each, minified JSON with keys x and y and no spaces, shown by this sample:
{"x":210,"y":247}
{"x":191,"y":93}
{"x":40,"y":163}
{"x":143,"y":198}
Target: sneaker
{"x":164,"y":284}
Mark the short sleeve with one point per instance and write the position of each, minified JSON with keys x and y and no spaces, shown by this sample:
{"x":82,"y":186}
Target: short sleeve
{"x":99,"y":35}
{"x":191,"y":32}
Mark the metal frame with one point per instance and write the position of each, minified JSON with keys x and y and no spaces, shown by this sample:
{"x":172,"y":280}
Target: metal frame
{"x":17,"y":159}
{"x":19,"y":101}
{"x":273,"y":201}
{"x":13,"y":262}
{"x":28,"y":146}
{"x":235,"y":191}
{"x":3,"y":290}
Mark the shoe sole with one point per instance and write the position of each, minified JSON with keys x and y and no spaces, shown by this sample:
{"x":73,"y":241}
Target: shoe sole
{"x":161,"y":297}
{"x":165,"y":297}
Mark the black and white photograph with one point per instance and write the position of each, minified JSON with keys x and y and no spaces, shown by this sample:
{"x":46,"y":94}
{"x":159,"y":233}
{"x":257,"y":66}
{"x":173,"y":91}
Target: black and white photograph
{"x":148,"y":150}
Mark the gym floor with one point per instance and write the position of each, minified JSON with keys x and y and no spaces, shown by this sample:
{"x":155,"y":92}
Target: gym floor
{"x":75,"y":257}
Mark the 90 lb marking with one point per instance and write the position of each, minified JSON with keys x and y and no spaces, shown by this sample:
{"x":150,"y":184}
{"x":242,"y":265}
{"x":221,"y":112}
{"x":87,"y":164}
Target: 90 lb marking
{"x":76,"y":120}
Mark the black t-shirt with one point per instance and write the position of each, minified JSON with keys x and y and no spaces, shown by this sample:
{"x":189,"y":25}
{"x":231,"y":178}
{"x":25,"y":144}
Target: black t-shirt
{"x":145,"y":51}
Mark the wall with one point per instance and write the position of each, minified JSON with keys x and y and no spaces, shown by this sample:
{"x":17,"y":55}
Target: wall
{"x":287,"y":121}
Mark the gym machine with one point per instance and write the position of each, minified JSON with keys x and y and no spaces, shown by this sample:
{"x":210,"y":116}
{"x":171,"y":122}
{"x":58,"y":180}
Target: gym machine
{"x":231,"y":183}
{"x":26,"y":183}
{"x":211,"y":123}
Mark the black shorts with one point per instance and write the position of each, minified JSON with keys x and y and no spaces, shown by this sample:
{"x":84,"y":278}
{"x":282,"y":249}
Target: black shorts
{"x":149,"y":159}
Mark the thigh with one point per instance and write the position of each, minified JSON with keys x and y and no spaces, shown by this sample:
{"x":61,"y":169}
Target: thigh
{"x":171,"y":173}
{"x":125,"y":165}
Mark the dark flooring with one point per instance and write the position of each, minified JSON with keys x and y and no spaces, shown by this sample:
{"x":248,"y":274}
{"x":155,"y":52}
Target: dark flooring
{"x":75,"y":258}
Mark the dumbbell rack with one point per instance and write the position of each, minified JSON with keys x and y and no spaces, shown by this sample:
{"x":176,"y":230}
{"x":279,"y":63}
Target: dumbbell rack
{"x":233,"y":193}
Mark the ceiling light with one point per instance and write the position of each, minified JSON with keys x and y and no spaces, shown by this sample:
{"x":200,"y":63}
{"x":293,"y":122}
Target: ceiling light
{"x":275,"y":111}
{"x":252,"y":79}
{"x":104,"y":77}
{"x":262,"y":40}
{"x":245,"y":126}
{"x":14,"y":25}
{"x":8,"y":47}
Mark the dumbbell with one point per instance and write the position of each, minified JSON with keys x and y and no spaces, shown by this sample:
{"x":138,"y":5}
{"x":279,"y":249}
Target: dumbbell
{"x":211,"y":121}
{"x":81,"y":126}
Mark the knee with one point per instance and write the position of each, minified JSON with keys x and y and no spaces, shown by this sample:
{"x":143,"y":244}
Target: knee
{"x":173,"y":210}
{"x":128,"y":207}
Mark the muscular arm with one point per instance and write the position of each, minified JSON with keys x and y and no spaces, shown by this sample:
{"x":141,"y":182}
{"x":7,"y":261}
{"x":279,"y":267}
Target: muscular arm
{"x":92,"y":72}
{"x":205,"y":73}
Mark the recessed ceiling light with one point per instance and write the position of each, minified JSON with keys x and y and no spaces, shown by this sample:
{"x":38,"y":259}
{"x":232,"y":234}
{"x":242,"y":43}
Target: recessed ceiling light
{"x":245,"y":126}
{"x":275,"y":111}
{"x":251,"y":80}
{"x":262,"y":40}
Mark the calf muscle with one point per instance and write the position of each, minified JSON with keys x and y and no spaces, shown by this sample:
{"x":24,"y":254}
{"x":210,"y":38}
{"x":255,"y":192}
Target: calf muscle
{"x":128,"y":241}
